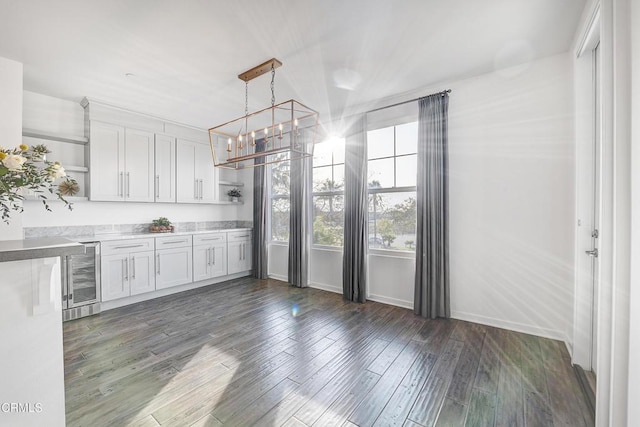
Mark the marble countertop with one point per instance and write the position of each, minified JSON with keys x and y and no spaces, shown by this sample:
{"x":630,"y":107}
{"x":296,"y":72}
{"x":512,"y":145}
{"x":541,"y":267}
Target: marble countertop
{"x":17,"y":250}
{"x":125,"y":236}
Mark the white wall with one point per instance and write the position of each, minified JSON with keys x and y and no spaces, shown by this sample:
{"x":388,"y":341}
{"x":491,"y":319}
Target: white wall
{"x":511,"y":203}
{"x":634,"y":297}
{"x":56,"y":115}
{"x":11,"y":128}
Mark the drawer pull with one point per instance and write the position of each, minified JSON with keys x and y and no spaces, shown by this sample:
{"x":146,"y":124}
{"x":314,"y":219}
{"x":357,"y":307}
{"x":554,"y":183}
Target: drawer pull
{"x":213,"y":238}
{"x":175,"y":241}
{"x":129,"y":246}
{"x":245,"y":235}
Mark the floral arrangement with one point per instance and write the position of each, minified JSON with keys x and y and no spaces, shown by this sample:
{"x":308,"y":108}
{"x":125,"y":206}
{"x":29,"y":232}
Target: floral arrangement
{"x":25,"y":168}
{"x":161,"y":225}
{"x":234,"y":192}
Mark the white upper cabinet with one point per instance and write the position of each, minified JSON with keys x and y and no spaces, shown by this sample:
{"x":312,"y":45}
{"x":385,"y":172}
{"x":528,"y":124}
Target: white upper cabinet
{"x":106,"y":162}
{"x":165,"y":169}
{"x":121,"y":163}
{"x":196,"y":176}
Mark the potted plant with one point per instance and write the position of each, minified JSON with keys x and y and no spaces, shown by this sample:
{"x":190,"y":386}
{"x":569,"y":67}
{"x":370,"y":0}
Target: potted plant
{"x":234,"y":194}
{"x":161,"y":225}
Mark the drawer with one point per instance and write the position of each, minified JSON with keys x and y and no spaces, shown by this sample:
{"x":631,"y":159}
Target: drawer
{"x":209,"y":238}
{"x":239,"y":236}
{"x":173,"y":242}
{"x":126,"y":246}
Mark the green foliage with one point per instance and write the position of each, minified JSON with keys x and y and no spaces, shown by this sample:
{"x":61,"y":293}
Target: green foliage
{"x":386,"y":230}
{"x":24,"y":168}
{"x":161,"y":222}
{"x":234,"y":192}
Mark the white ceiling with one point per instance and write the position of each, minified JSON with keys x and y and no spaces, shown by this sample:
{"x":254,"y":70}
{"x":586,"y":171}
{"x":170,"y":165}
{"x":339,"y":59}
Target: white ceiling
{"x":186,"y":54}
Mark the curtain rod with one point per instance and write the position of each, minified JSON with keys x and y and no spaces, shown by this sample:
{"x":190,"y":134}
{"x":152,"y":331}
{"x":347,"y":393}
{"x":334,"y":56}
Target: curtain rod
{"x":406,"y":102}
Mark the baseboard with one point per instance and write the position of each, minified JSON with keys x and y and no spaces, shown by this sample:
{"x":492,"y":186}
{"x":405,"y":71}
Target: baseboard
{"x":278,"y":277}
{"x":513,"y":326}
{"x":325,"y":287}
{"x":121,"y":302}
{"x":390,"y":301}
{"x":569,"y":345}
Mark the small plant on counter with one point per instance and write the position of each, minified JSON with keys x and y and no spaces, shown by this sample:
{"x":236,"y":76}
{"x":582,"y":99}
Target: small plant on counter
{"x":234,"y":194}
{"x":25,"y":168}
{"x":161,"y":225}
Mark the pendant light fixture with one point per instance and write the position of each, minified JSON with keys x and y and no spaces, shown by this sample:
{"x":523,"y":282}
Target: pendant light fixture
{"x":284,"y":131}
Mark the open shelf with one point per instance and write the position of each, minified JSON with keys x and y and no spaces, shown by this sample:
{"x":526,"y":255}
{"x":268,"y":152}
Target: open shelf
{"x":72,"y":168}
{"x":231,"y":184}
{"x":71,"y":139}
{"x":71,"y":199}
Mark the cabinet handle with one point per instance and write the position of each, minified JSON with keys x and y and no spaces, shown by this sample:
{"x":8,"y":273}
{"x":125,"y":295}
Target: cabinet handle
{"x":175,"y":241}
{"x":244,"y":251}
{"x":125,"y":268}
{"x":128,"y":185}
{"x":158,"y":262}
{"x":121,"y":185}
{"x":157,"y":186}
{"x":211,"y":239}
{"x":195,"y":189}
{"x":128,"y":246}
{"x":133,"y":267}
{"x":213,"y":256}
{"x":246,"y":235}
{"x":200,"y":189}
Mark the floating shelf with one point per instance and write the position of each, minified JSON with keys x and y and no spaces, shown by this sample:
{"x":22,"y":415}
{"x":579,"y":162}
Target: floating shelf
{"x":71,"y":199}
{"x":72,"y":168}
{"x":231,"y":184}
{"x":226,"y":202}
{"x":80,"y":140}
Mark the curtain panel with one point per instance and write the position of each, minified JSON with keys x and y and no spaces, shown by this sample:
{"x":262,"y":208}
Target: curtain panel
{"x":354,"y":263}
{"x":431,"y":297}
{"x":260,"y":215}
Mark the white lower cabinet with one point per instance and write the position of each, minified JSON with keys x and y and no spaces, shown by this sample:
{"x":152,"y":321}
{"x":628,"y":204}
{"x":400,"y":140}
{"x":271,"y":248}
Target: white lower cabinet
{"x":127,"y":268}
{"x":239,"y":254}
{"x":209,"y":256}
{"x":174,"y":261}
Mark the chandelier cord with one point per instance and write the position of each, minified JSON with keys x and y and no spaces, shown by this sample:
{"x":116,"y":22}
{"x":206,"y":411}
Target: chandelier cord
{"x":246,"y":98}
{"x":273,"y":86}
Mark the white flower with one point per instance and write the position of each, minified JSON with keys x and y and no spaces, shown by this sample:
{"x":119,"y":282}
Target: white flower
{"x":14,"y":162}
{"x":57,"y":171}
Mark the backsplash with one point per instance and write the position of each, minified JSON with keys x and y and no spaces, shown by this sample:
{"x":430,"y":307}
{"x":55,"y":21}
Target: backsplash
{"x":95,"y":230}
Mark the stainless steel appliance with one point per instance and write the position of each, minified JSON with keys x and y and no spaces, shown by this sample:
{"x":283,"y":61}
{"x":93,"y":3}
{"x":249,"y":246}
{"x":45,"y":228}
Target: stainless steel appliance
{"x":81,"y":283}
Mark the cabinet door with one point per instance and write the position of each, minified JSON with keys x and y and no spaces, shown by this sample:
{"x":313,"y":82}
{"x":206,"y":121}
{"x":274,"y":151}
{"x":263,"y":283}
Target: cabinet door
{"x":141,"y":272}
{"x":106,"y":162}
{"x":113,"y":277}
{"x":173,"y":267}
{"x":186,"y":183}
{"x":165,"y":169}
{"x":246,"y":256}
{"x":234,"y":262}
{"x":218,"y":260}
{"x":205,"y":173}
{"x":139,"y":182}
{"x":201,"y":262}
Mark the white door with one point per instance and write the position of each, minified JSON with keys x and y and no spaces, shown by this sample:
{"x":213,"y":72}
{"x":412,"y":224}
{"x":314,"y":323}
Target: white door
{"x":218,"y":259}
{"x":114,"y":281}
{"x":595,"y":220}
{"x":165,"y":169}
{"x":174,"y":267}
{"x":205,"y":173}
{"x":187,"y":186}
{"x":141,"y":272}
{"x":201,"y":262}
{"x":234,"y":254}
{"x":139,"y":182}
{"x":106,"y":162}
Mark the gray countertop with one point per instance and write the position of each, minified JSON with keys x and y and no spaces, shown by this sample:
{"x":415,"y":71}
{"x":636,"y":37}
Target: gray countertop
{"x":17,"y":250}
{"x":120,"y":236}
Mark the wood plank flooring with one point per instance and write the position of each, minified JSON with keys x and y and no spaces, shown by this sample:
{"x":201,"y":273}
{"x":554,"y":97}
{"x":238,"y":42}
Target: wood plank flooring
{"x":250,"y":352}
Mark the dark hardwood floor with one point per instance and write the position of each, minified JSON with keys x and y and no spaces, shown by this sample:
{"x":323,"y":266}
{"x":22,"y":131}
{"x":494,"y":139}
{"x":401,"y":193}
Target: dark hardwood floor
{"x":251,"y":352}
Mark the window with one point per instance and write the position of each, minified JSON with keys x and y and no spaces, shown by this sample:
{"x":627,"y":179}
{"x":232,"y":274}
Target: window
{"x":328,"y":192}
{"x":280,"y":201}
{"x":392,"y":174}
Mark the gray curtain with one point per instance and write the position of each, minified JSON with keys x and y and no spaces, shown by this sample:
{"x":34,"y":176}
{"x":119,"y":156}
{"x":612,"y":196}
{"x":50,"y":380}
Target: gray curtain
{"x":260,"y":215}
{"x":300,"y":221}
{"x":354,"y":262}
{"x":431,"y":297}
